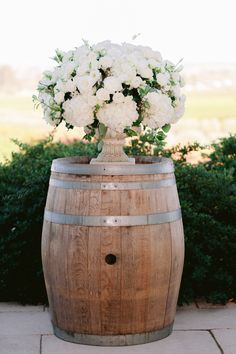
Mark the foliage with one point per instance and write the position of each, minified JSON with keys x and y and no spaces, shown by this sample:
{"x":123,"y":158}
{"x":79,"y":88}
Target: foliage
{"x":23,"y":190}
{"x":149,"y":142}
{"x":207,"y":193}
{"x":208,"y":199}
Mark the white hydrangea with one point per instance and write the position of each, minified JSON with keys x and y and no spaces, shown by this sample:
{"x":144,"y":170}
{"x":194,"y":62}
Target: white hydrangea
{"x":65,"y":86}
{"x":118,"y":97}
{"x":59,"y":97}
{"x":92,"y":100}
{"x":78,"y":112}
{"x":67,"y":69}
{"x":144,"y":70}
{"x":95,"y":75}
{"x":112,"y":84}
{"x":47,"y":117}
{"x":103,"y":95}
{"x":124,"y":70}
{"x":179,"y":109}
{"x":181,"y":81}
{"x":106,"y":62}
{"x":67,"y":56}
{"x":176,"y":91}
{"x":136,"y":82}
{"x":163,"y":78}
{"x":83,"y":69}
{"x":117,"y":116}
{"x":81,"y":51}
{"x":108,"y":83}
{"x":85,"y":84}
{"x":46,"y":99}
{"x":160,"y":111}
{"x":153,"y":63}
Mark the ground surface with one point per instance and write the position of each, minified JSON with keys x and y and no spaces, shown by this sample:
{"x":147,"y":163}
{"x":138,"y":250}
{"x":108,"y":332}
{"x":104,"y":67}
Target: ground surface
{"x":200,"y":329}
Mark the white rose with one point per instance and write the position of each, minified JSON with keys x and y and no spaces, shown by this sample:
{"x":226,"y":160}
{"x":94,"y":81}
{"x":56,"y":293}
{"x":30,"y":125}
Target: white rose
{"x":181,"y":81}
{"x":81,"y":51}
{"x":162,"y":79}
{"x":47,"y":117}
{"x":96,"y":75}
{"x":136,"y":82}
{"x":105,"y":62}
{"x":168,"y":64}
{"x":176,"y":91}
{"x":114,"y":51}
{"x":56,"y":74}
{"x":67,"y":69}
{"x":45,"y":98}
{"x":112,"y":84}
{"x":70,"y":86}
{"x":102,"y":46}
{"x":157,"y":56}
{"x":67,"y":56}
{"x":85,"y":84}
{"x":67,"y":86}
{"x":145,"y":71}
{"x":102,"y":94}
{"x":83,"y":69}
{"x":175,"y":76}
{"x":59,"y":97}
{"x":45,"y":82}
{"x":78,"y":112}
{"x":147,"y":52}
{"x":153,"y":63}
{"x":118,"y":97}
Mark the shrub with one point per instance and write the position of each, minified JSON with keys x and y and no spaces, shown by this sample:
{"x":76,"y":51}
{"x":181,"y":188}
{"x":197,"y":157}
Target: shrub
{"x":208,"y":200}
{"x":23,"y":191}
{"x":208,"y":197}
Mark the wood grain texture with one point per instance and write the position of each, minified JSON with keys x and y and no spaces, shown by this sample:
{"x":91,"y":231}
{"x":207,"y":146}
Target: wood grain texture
{"x":136,"y":294}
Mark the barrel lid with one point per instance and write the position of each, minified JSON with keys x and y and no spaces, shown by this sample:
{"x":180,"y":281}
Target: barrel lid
{"x":144,"y":165}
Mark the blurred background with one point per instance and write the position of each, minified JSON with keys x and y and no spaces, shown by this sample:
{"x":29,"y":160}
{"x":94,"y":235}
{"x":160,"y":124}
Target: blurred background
{"x":200,"y":32}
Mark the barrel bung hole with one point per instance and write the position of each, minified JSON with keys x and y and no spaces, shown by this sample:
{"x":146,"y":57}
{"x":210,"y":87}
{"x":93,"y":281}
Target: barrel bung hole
{"x":110,"y":259}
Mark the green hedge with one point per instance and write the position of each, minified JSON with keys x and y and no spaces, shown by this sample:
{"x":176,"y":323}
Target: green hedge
{"x":207,"y":193}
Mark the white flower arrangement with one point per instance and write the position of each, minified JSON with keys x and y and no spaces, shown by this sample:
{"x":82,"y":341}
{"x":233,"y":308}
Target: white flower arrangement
{"x":113,"y":86}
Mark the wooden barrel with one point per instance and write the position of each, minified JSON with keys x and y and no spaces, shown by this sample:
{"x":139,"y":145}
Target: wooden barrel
{"x":112,"y":250}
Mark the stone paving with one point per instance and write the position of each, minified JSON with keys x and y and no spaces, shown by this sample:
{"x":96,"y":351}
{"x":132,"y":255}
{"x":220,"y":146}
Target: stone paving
{"x":199,"y":329}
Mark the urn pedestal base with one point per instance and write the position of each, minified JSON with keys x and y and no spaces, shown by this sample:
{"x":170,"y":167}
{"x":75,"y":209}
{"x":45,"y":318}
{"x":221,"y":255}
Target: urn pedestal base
{"x":112,"y":151}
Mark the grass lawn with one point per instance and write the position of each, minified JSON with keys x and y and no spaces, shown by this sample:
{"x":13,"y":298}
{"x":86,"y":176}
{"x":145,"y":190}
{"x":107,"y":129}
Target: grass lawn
{"x":16,"y":103}
{"x":211,"y":105}
{"x":17,"y":131}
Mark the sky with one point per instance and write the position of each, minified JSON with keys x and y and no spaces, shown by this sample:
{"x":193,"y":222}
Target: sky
{"x":200,"y":31}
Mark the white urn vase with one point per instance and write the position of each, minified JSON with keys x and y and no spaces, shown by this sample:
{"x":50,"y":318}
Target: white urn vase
{"x":112,"y":150}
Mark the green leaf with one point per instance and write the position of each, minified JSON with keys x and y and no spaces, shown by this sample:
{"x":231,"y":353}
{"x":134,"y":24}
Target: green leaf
{"x":166,"y":128}
{"x":102,"y":129}
{"x":100,"y":145}
{"x":143,"y":91}
{"x":161,"y":135}
{"x":130,"y":132}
